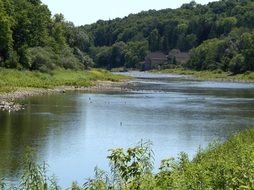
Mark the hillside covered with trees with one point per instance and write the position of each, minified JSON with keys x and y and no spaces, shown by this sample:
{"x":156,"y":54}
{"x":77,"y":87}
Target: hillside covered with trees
{"x":217,"y":36}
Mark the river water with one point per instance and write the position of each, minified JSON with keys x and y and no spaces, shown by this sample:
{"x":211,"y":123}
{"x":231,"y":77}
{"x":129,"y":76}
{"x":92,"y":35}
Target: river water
{"x":73,"y":132}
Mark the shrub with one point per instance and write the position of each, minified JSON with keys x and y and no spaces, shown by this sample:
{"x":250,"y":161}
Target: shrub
{"x":86,"y":60}
{"x":42,"y":59}
{"x":132,"y":164}
{"x":68,"y":60}
{"x":34,"y":176}
{"x":237,"y":64}
{"x":12,"y":60}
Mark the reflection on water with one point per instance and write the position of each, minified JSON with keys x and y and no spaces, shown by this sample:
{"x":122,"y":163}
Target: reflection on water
{"x":73,"y":132}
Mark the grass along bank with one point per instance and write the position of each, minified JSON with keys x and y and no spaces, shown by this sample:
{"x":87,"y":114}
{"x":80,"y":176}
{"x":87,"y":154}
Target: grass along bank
{"x":13,"y":80}
{"x":211,"y":75}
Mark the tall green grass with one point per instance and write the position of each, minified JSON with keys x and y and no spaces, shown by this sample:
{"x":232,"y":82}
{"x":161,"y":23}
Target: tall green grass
{"x":11,"y":80}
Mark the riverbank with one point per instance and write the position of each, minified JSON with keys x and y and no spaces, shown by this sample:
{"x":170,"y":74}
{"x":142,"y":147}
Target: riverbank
{"x":211,"y":75}
{"x":19,"y":84}
{"x":227,"y":165}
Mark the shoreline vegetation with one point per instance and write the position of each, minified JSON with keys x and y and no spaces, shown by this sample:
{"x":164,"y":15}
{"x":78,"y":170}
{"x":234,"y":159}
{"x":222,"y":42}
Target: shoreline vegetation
{"x":216,"y":75}
{"x":16,"y":84}
{"x":133,"y":169}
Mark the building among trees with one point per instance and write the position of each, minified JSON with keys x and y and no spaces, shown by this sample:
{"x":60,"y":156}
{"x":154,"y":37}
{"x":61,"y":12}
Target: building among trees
{"x":155,"y":60}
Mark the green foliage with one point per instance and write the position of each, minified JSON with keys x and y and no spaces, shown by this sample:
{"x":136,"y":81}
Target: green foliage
{"x":220,"y":166}
{"x":192,"y":27}
{"x":86,"y":61}
{"x":76,"y":37}
{"x":219,"y":35}
{"x":5,"y":33}
{"x":117,"y":55}
{"x":236,"y":64}
{"x":11,"y":80}
{"x":225,"y":25}
{"x":135,"y":53}
{"x":234,"y":53}
{"x":132,"y":164}
{"x":154,"y":40}
{"x":205,"y":56}
{"x":120,"y":54}
{"x":101,"y":181}
{"x":12,"y":60}
{"x":58,"y":32}
{"x":34,"y":175}
{"x":68,"y":60}
{"x":42,"y":59}
{"x":27,"y":26}
{"x":229,"y":165}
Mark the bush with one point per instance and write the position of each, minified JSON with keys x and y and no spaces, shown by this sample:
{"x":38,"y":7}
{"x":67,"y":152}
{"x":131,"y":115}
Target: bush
{"x":42,"y":59}
{"x":86,"y":60}
{"x":25,"y":58}
{"x":68,"y":60}
{"x":237,"y":64}
{"x":12,"y":60}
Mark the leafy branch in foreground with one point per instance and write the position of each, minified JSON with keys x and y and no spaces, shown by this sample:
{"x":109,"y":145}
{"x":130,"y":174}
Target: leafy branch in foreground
{"x":34,"y":176}
{"x":132,"y":164}
{"x":126,"y":166}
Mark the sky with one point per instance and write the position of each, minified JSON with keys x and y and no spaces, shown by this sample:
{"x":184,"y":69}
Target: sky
{"x":82,"y":12}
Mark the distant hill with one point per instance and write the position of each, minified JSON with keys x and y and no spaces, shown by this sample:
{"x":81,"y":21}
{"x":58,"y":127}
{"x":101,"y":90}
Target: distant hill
{"x":219,"y":36}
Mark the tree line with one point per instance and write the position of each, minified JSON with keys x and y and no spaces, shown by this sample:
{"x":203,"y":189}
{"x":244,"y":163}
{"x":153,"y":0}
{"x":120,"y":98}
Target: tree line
{"x":219,"y":36}
{"x":31,"y":38}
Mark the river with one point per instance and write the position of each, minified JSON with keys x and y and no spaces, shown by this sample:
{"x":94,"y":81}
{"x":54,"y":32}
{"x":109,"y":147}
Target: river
{"x":73,"y":132}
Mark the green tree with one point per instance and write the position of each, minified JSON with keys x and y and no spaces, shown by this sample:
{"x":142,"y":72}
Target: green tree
{"x":154,"y":40}
{"x":118,"y":55}
{"x":135,"y":53}
{"x":58,"y":32}
{"x":6,"y":41}
{"x":237,"y":64}
{"x":77,"y":37}
{"x":225,"y":25}
{"x":205,"y":56}
{"x":247,"y":48}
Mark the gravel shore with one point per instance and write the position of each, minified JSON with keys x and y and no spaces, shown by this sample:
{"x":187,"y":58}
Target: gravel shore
{"x":7,"y":100}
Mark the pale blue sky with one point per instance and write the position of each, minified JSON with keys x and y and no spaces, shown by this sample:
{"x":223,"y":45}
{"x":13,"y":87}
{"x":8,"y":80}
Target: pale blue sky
{"x":82,"y":12}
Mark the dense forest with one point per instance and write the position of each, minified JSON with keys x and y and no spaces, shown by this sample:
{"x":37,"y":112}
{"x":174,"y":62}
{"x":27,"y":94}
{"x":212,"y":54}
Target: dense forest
{"x":217,"y":36}
{"x":30,"y":38}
